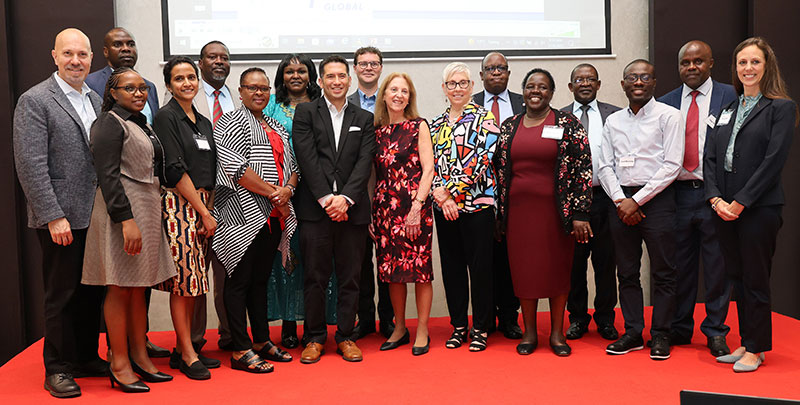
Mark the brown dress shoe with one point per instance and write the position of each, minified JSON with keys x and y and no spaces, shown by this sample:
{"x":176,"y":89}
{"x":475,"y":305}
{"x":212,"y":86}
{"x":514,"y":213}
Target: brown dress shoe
{"x":349,"y":351}
{"x":311,"y":353}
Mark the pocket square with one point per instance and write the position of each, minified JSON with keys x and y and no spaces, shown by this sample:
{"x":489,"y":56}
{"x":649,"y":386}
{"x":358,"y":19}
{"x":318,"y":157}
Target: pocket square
{"x":354,"y":128}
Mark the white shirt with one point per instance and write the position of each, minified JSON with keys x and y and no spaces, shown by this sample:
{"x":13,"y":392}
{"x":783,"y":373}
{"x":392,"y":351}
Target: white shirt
{"x":80,"y":102}
{"x":703,"y":105}
{"x":225,"y":100}
{"x":504,"y":100}
{"x":595,"y":132}
{"x":653,"y":139}
{"x":337,"y":116}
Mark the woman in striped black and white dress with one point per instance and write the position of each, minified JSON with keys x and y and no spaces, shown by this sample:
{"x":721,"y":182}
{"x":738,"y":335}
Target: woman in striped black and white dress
{"x":256,"y":178}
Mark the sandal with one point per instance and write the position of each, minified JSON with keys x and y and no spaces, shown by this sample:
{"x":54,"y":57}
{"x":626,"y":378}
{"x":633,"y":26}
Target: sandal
{"x":457,"y":338}
{"x":279,"y":355}
{"x":478,"y":340}
{"x":251,"y":363}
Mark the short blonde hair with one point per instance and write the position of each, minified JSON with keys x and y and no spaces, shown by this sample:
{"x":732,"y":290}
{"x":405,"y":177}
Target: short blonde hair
{"x":453,"y":68}
{"x":382,"y":113}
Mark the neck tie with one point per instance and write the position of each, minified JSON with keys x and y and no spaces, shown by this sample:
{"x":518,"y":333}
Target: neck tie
{"x":217,"y":112}
{"x":496,"y":110}
{"x":585,"y":117}
{"x":691,"y":155}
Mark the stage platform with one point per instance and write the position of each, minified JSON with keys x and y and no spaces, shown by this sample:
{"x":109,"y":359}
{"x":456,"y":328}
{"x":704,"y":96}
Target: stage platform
{"x":497,"y":375}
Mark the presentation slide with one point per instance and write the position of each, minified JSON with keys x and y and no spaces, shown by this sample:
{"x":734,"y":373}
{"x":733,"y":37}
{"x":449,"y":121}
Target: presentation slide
{"x":400,"y":28}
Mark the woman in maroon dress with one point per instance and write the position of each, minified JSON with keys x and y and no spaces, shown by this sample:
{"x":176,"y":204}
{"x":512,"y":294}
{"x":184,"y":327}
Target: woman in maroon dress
{"x":402,"y":216}
{"x":544,"y":197}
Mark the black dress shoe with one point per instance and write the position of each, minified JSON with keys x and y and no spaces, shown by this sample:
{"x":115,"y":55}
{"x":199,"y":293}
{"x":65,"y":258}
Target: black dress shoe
{"x":62,"y":385}
{"x":660,"y":348}
{"x":386,"y":328}
{"x":576,"y":330}
{"x":363,"y":329}
{"x":132,"y":388}
{"x":627,"y":343}
{"x":526,"y":348}
{"x":561,"y":350}
{"x":197,"y":371}
{"x":608,"y":331}
{"x":718,"y":346}
{"x":175,"y":360}
{"x":510,"y":330}
{"x":674,"y":340}
{"x":290,"y":341}
{"x":404,"y":340}
{"x":155,"y":351}
{"x":156,"y":377}
{"x":419,"y":351}
{"x":93,"y":368}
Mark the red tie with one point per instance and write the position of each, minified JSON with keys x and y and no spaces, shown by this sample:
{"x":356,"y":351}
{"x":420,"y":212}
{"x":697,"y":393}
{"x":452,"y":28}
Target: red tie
{"x":496,"y":110}
{"x":217,"y":108}
{"x":691,"y":155}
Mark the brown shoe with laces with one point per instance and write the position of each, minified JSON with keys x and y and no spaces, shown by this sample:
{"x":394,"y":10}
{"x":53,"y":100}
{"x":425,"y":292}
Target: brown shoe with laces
{"x":311,"y":353}
{"x":349,"y":351}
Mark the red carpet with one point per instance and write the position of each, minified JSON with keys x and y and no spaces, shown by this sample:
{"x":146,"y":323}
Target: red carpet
{"x":497,"y":375}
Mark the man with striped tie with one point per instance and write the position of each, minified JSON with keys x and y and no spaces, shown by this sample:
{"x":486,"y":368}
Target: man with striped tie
{"x":214,"y":99}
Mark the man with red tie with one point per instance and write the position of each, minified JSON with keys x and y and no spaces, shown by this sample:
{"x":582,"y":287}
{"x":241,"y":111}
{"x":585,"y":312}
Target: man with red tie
{"x":700,"y":100}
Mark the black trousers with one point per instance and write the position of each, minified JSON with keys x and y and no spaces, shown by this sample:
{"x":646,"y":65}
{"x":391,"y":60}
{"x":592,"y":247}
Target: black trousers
{"x":601,"y":250}
{"x":658,"y":232}
{"x":245,"y":291}
{"x":465,"y":249}
{"x":748,"y":244}
{"x":343,"y":242}
{"x":71,"y":309}
{"x":696,"y":234}
{"x":505,"y":303}
{"x":366,"y":291}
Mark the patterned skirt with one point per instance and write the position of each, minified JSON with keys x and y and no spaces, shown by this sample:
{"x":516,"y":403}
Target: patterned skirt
{"x":189,"y":250}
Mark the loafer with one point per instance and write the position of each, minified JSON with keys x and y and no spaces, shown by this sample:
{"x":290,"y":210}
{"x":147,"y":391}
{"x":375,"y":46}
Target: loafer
{"x":290,"y":341}
{"x":312,"y":353}
{"x":419,"y":351}
{"x":156,"y":351}
{"x":175,"y":360}
{"x":738,"y":367}
{"x":576,"y":330}
{"x":626,"y":344}
{"x":561,"y":350}
{"x":510,"y":330}
{"x":660,"y":348}
{"x":718,"y":346}
{"x":93,"y":368}
{"x":525,"y":349}
{"x":195,"y":371}
{"x":404,"y":340}
{"x":386,"y":328}
{"x":608,"y":331}
{"x":349,"y":351}
{"x":62,"y":385}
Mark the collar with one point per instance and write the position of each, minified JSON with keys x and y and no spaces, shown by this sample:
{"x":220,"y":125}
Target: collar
{"x":576,"y":107}
{"x":363,"y":96}
{"x":126,"y":115}
{"x":704,"y":88}
{"x":646,"y":109}
{"x":66,"y":88}
{"x":209,"y":89}
{"x":502,"y":96}
{"x":332,"y":108}
{"x":174,"y":105}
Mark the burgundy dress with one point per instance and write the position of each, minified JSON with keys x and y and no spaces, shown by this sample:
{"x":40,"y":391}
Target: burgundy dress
{"x":539,"y":251}
{"x":397,"y":174}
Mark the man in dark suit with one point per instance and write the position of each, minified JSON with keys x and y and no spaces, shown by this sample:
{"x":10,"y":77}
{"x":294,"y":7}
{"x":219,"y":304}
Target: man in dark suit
{"x":119,"y":48}
{"x":335,"y":144}
{"x":503,"y":104}
{"x":56,"y":171}
{"x":700,"y":100}
{"x":584,"y":82}
{"x":368,"y":65}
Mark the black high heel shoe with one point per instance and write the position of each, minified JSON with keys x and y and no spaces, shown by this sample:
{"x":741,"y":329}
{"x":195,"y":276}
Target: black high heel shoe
{"x":135,"y":387}
{"x":156,"y":377}
{"x":419,"y":351}
{"x":387,"y":345}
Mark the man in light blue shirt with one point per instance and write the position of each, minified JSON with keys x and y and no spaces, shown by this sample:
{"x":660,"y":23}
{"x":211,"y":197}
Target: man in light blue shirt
{"x":368,"y":64}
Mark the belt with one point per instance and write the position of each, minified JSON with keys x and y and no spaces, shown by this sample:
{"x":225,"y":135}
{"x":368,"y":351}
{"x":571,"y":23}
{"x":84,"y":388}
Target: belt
{"x":690,"y":183}
{"x":631,"y":189}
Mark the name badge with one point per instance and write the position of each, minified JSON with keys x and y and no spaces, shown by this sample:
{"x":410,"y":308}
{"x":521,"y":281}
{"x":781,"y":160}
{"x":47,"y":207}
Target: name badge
{"x":202,"y":144}
{"x":725,"y":118}
{"x":626,"y":161}
{"x":711,"y":120}
{"x":552,"y":132}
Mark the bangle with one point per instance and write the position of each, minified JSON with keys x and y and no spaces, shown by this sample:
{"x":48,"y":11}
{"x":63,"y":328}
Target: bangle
{"x":291,"y":188}
{"x":419,"y":201}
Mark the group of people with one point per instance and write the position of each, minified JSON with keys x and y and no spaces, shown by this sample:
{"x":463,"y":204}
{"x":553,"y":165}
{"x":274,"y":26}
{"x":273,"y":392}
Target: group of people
{"x":282,"y":197}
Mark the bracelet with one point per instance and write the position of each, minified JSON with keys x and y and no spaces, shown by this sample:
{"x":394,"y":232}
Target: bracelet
{"x":419,"y":201}
{"x":291,"y":188}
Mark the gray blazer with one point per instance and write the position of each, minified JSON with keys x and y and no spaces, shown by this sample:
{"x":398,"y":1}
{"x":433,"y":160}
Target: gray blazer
{"x":201,"y":101}
{"x":605,"y":109}
{"x":516,"y":100}
{"x":52,"y":156}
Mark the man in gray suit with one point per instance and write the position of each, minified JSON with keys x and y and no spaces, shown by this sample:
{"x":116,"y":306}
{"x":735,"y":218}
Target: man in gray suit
{"x":56,"y":172}
{"x":503,"y":104}
{"x":584,"y":82}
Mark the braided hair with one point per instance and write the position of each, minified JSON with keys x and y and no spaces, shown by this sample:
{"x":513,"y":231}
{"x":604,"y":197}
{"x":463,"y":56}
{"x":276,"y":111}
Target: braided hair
{"x":113,"y":81}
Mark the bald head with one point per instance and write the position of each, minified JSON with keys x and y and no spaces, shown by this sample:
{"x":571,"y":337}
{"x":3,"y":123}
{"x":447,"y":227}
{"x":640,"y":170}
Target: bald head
{"x":72,"y":54}
{"x":493,"y":55}
{"x":494,"y":72}
{"x":119,"y":48}
{"x":695,"y":63}
{"x":695,"y":44}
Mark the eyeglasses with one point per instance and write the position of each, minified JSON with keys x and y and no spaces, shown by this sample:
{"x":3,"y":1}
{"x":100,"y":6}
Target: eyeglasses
{"x":587,"y":80}
{"x":451,"y":85}
{"x":132,"y":90}
{"x":633,"y":77}
{"x":364,"y":64}
{"x":499,"y":68}
{"x":253,"y":89}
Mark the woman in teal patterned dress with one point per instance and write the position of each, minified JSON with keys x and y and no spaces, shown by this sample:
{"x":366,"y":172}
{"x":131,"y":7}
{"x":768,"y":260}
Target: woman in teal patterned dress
{"x":295,"y":83}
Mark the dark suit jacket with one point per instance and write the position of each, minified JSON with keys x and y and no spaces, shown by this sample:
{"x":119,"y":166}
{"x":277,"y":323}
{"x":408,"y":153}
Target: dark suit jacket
{"x":721,"y":95}
{"x":320,"y":163}
{"x":354,"y":99}
{"x":517,"y":102}
{"x":759,"y":154}
{"x":97,"y":82}
{"x":53,"y":160}
{"x":605,"y":110}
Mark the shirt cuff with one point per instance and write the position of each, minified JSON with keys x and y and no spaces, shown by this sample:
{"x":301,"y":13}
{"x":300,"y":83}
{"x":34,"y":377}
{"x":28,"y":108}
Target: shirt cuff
{"x":324,"y":199}
{"x":349,"y":200}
